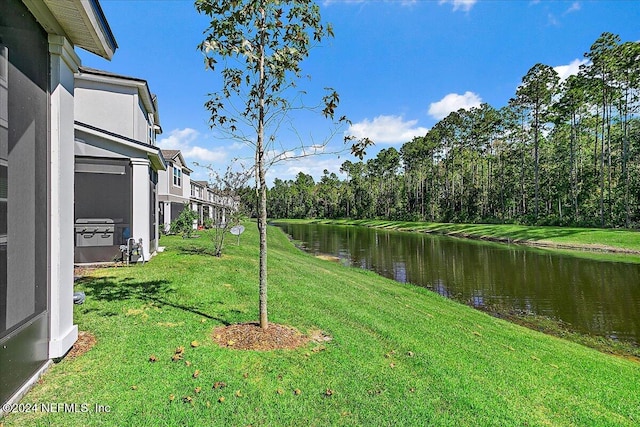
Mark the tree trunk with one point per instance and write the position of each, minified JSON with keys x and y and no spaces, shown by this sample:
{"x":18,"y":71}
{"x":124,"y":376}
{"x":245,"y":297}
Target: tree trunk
{"x":262,"y":227}
{"x":262,"y":188}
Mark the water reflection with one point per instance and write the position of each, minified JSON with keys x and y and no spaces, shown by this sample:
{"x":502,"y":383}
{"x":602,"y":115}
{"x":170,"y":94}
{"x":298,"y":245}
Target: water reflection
{"x":595,"y":297}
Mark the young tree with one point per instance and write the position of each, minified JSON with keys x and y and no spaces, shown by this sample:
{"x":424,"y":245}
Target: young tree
{"x":227,"y":188}
{"x":261,"y":44}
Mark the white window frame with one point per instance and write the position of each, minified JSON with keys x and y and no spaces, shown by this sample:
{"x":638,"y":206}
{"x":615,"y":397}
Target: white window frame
{"x":177,"y":176}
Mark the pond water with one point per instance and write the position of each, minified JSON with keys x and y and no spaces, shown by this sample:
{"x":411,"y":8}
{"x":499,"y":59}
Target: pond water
{"x":596,"y":297}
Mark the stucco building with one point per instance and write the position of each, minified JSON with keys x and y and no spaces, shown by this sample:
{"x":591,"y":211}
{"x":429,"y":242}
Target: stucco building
{"x":37,"y":66}
{"x":175,"y":188}
{"x":116,"y":165}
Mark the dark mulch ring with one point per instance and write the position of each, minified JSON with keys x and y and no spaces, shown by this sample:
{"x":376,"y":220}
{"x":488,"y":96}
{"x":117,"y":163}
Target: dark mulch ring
{"x":249,"y":336}
{"x":84,"y":343}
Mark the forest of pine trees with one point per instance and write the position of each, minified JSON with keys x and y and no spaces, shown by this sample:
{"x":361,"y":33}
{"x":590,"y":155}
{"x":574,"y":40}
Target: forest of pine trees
{"x":560,"y":153}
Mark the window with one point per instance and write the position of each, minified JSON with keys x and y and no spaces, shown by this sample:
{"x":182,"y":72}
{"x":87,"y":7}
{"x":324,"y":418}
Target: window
{"x":177,"y":176}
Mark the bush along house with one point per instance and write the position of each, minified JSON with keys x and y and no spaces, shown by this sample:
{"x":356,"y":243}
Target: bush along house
{"x":37,"y":66}
{"x":116,"y":167}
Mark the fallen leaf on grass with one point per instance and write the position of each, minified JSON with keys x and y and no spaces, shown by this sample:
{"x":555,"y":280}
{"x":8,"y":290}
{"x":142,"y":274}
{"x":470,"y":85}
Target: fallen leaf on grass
{"x":219,"y":384}
{"x":134,"y":387}
{"x":221,"y":399}
{"x":477,"y":333}
{"x":410,"y":353}
{"x":179,"y":350}
{"x":534,"y":357}
{"x":187,"y":399}
{"x":280,"y":391}
{"x":196,"y":374}
{"x":329,"y":392}
{"x":392,"y":365}
{"x":135,"y":312}
{"x":171,"y":398}
{"x":238,"y":393}
{"x":198,"y":389}
{"x":170,"y":324}
{"x":297,"y":392}
{"x":153,"y":358}
{"x":194,"y":344}
{"x":176,"y":357}
{"x":186,"y":362}
{"x":554,"y":366}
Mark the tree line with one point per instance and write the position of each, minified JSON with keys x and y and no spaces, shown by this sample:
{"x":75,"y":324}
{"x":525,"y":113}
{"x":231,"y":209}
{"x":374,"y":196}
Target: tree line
{"x":559,"y":153}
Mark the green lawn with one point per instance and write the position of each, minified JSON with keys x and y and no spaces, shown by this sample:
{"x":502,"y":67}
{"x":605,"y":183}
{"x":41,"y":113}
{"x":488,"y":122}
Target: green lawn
{"x":400,"y":355}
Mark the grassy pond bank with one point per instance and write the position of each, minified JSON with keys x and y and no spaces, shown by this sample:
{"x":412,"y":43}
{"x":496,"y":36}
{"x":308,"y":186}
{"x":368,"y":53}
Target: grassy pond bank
{"x":389,"y":353}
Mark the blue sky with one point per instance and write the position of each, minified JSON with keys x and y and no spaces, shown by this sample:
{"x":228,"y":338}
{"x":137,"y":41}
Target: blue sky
{"x":399,"y":66}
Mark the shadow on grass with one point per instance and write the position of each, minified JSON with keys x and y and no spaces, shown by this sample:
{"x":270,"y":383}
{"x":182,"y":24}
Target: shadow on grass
{"x":196,"y":250}
{"x":111,"y":289}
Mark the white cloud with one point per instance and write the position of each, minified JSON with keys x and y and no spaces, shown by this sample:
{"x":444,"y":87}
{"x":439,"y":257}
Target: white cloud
{"x":185,"y":140}
{"x":564,"y":71}
{"x":453,"y":102}
{"x":387,"y":129}
{"x":464,"y":5}
{"x":575,"y":7}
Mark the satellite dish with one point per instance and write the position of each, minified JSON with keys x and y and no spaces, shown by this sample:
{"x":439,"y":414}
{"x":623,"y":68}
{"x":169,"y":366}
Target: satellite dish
{"x":237,"y":230}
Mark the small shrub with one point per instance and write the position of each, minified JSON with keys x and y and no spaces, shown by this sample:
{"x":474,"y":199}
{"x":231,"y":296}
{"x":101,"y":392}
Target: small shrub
{"x":184,"y":223}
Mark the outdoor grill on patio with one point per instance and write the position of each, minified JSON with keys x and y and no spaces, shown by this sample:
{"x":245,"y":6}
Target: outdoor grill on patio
{"x":99,"y":239}
{"x":95,"y":231}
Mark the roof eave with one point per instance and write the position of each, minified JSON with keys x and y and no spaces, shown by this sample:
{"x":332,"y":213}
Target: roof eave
{"x":81,"y":21}
{"x":157,"y":160}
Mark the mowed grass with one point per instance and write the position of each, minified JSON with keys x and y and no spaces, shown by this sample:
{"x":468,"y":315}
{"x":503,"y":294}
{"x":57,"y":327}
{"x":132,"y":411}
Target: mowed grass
{"x":399,"y":355}
{"x":616,"y":240}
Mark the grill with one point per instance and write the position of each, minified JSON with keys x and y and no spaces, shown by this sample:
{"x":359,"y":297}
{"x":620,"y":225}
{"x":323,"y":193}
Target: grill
{"x":99,"y":232}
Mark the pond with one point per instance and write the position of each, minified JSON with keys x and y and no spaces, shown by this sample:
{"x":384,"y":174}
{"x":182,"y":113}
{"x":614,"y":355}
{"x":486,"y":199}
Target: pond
{"x":592,"y":296}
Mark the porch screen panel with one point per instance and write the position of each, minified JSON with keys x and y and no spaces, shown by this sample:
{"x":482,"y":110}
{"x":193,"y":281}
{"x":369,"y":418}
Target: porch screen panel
{"x":4,"y":153}
{"x":24,"y":218}
{"x":24,"y":85}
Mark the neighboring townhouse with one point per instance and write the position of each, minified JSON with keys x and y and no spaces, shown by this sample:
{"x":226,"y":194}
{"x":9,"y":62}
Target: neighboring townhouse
{"x":116,"y":166}
{"x":37,"y":66}
{"x":175,"y":188}
{"x":219,"y":206}
{"x":199,"y":202}
{"x":208,"y":203}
